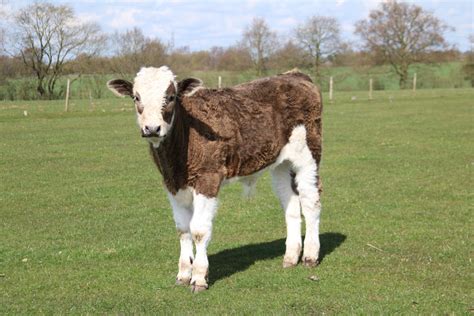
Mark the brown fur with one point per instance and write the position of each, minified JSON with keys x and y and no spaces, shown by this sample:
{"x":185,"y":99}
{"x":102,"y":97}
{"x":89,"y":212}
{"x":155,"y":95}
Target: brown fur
{"x":169,"y":106}
{"x":220,"y":134}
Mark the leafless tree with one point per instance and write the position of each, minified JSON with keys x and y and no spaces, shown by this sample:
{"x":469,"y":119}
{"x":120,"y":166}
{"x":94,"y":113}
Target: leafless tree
{"x":134,"y":50}
{"x":320,"y":37}
{"x":2,"y":41}
{"x":401,"y":33}
{"x":3,"y":18}
{"x":130,"y":42}
{"x":48,"y":37}
{"x":260,"y":41}
{"x":288,"y":56}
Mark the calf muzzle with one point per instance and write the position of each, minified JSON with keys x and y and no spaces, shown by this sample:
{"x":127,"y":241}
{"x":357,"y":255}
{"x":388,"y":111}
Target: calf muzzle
{"x":151,"y":131}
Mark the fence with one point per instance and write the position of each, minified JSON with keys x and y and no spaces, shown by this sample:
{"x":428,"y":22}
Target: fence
{"x":92,"y":87}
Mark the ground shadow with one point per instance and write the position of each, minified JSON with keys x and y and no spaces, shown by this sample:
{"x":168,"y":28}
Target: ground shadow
{"x":230,"y":261}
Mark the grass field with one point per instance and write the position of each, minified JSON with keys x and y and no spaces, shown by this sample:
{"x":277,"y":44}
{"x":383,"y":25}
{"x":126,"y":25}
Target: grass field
{"x":86,"y":227}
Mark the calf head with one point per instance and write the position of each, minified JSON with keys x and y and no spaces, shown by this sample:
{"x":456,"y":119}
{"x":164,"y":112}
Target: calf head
{"x":155,"y":93}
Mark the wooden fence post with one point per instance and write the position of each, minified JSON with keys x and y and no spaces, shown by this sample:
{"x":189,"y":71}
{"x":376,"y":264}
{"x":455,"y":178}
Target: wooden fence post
{"x":91,"y":102}
{"x":414,"y":82}
{"x":330,"y":88}
{"x":370,"y":88}
{"x":67,"y":95}
{"x":219,"y":82}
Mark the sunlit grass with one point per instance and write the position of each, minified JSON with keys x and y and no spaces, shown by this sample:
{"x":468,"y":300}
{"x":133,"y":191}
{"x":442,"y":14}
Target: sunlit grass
{"x":86,"y":227}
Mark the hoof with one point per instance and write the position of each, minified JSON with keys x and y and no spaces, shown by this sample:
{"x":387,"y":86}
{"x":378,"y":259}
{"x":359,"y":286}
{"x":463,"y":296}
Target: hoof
{"x":289,"y":264}
{"x":309,"y":262}
{"x":290,"y":261}
{"x":183,"y":281}
{"x":198,"y":288}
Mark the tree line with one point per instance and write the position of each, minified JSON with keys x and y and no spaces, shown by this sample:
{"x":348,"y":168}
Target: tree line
{"x":48,"y":41}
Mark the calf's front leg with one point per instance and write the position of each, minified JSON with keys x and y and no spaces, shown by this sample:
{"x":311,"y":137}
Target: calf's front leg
{"x":201,"y":229}
{"x":182,"y":213}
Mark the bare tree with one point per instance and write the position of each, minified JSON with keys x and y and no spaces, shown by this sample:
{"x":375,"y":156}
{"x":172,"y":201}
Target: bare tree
{"x":3,"y":18}
{"x":320,"y":37}
{"x":401,"y":33}
{"x":48,"y":37}
{"x":260,"y":42}
{"x":134,"y":50}
{"x":2,"y":41}
{"x":289,"y":56}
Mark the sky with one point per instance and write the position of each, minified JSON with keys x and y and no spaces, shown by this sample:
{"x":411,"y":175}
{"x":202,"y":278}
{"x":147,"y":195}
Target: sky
{"x":203,"y":24}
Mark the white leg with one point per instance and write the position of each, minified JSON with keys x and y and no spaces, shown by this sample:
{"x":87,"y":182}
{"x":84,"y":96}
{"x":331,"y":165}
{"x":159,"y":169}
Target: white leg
{"x":306,"y":179}
{"x":201,"y":230}
{"x":290,"y":203}
{"x":182,"y":213}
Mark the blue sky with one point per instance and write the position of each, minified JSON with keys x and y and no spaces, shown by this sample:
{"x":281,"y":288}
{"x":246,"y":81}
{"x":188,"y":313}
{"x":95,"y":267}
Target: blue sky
{"x":203,"y":24}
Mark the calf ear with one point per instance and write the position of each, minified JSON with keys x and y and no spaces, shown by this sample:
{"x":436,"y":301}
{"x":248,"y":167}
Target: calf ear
{"x":186,"y":86}
{"x":121,"y":87}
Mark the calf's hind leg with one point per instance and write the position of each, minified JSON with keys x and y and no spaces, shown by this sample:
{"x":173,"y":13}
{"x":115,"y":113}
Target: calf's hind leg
{"x":282,"y":184}
{"x":306,"y":179}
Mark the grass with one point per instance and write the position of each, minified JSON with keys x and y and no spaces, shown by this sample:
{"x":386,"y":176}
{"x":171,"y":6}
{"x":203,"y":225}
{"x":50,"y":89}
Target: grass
{"x":86,"y":227}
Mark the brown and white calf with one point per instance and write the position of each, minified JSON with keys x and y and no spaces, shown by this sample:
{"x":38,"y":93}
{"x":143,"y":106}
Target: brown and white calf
{"x":203,"y":138}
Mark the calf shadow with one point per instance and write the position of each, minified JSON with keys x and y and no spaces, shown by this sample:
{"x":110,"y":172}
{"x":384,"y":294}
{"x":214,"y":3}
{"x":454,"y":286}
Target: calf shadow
{"x":227,"y":262}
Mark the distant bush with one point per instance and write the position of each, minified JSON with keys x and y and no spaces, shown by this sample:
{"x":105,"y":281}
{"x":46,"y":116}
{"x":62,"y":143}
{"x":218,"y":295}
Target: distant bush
{"x":22,"y":89}
{"x":429,"y":76}
{"x":468,"y":69}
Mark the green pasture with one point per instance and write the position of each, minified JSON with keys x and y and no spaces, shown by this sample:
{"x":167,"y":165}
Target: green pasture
{"x":85,"y":226}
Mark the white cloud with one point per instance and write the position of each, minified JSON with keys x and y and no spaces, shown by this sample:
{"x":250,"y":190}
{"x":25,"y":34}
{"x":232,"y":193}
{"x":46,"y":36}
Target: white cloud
{"x":202,"y":24}
{"x":88,"y":17}
{"x":123,"y":18}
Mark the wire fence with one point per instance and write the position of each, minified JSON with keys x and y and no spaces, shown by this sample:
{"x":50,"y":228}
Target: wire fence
{"x":448,"y":75}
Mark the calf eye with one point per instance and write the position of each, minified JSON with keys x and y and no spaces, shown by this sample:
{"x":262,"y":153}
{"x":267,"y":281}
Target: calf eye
{"x":170,"y":98}
{"x":136,"y":98}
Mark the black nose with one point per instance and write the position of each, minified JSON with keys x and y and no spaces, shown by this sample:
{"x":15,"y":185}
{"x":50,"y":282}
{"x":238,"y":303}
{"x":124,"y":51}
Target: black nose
{"x":151,"y":131}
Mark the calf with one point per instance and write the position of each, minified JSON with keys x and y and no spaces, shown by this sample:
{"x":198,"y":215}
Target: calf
{"x":203,"y":138}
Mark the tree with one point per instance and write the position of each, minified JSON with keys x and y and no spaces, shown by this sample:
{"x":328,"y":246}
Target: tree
{"x":134,"y":50}
{"x":260,"y":42}
{"x":235,"y":58}
{"x":48,"y":37}
{"x":289,"y":56}
{"x":468,"y":67}
{"x":2,"y":40}
{"x":3,"y":18}
{"x":401,"y":33}
{"x":320,"y":37}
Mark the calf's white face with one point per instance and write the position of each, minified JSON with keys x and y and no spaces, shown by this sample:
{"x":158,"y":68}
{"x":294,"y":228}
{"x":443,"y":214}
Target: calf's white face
{"x":155,"y":93}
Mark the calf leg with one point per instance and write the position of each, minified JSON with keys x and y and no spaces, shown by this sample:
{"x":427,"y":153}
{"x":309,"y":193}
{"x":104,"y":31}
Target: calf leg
{"x":182,"y":213}
{"x":282,"y":184}
{"x":306,"y":179}
{"x":201,"y":230}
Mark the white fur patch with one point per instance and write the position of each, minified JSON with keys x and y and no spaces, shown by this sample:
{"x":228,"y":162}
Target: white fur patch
{"x":192,"y":92}
{"x":182,"y":205}
{"x":296,"y":152}
{"x":151,"y":84}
